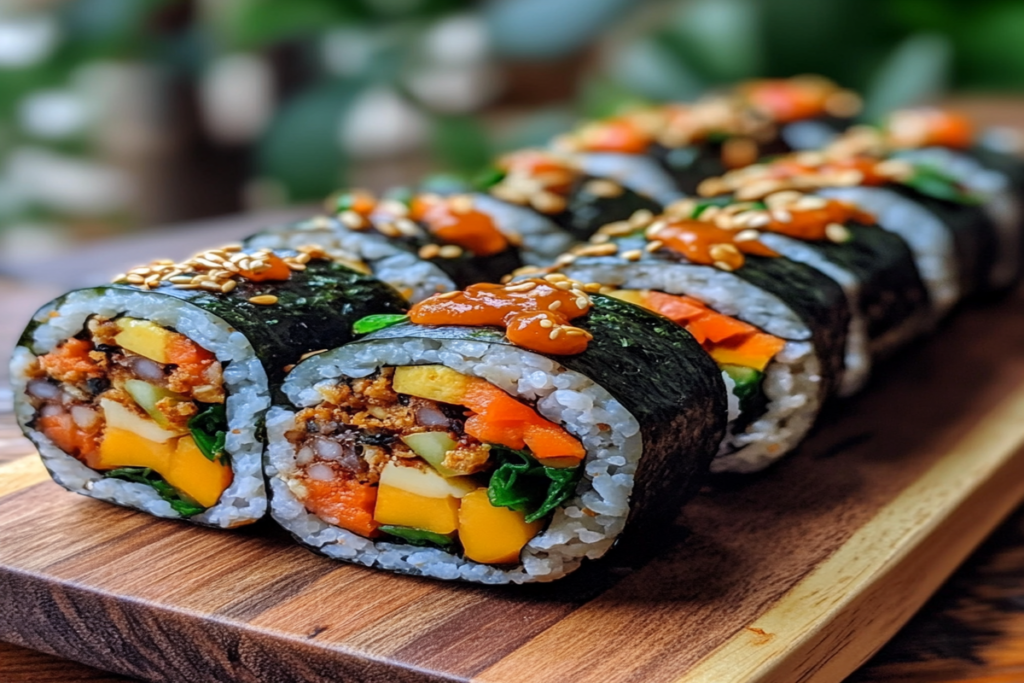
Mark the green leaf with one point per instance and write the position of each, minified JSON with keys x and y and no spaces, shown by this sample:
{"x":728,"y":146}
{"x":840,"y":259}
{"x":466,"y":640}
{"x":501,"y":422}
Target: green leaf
{"x":209,"y":430}
{"x":932,"y":182}
{"x":420,"y":536}
{"x":488,"y":178}
{"x":372,"y":323}
{"x":180,"y":503}
{"x":705,"y":204}
{"x":521,"y":483}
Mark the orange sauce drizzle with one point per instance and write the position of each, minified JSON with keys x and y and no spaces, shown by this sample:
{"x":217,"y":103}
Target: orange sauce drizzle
{"x":812,"y":224}
{"x":455,"y":221}
{"x":554,"y":173}
{"x":707,"y":244}
{"x":535,"y":313}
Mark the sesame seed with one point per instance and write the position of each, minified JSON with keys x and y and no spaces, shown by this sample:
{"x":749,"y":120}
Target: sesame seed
{"x":510,"y":194}
{"x":228,"y":286}
{"x":555,"y":305}
{"x":546,"y":323}
{"x":565,"y":259}
{"x":210,"y":286}
{"x":640,"y":218}
{"x":582,"y":302}
{"x":617,"y":229}
{"x":429,"y":251}
{"x":450,"y":251}
{"x":231,"y":248}
{"x":292,"y":265}
{"x":556,"y":277}
{"x":521,"y":287}
{"x":408,"y":227}
{"x":548,"y":202}
{"x":654,"y":246}
{"x":746,"y":235}
{"x":351,"y":219}
{"x":592,"y":287}
{"x":722,"y":265}
{"x":654,"y":228}
{"x":600,"y":187}
{"x":633,"y":254}
{"x":462,"y":203}
{"x":564,"y":286}
{"x":263,"y":299}
{"x":554,"y":333}
{"x":681,"y":207}
{"x":759,"y":220}
{"x":448,"y":295}
{"x":322,"y":223}
{"x":809,"y":203}
{"x":394,"y":207}
{"x":302,"y":257}
{"x":597,"y":250}
{"x":388,"y":230}
{"x":778,"y":200}
{"x":837,"y":233}
{"x":134,"y":279}
{"x":600,"y":238}
{"x":782,"y":216}
{"x":721,"y":252}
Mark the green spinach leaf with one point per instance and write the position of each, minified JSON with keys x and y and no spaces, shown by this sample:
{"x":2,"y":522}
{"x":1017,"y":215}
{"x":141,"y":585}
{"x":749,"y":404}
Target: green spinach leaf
{"x":933,"y":182}
{"x":521,"y":483}
{"x":372,"y":323}
{"x":420,"y":537}
{"x":209,"y":429}
{"x":180,"y":503}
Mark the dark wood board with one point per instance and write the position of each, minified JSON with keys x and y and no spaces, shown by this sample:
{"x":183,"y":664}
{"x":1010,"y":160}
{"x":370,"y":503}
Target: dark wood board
{"x":797,"y":574}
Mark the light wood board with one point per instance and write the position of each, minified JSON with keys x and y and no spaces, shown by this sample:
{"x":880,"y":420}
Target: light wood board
{"x":798,"y":574}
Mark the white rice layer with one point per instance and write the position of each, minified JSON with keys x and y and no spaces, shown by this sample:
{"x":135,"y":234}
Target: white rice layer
{"x":927,"y":236}
{"x":792,"y":382}
{"x":244,"y":378}
{"x":414,"y":278}
{"x":1000,"y":203}
{"x":638,"y":172}
{"x":562,"y":396}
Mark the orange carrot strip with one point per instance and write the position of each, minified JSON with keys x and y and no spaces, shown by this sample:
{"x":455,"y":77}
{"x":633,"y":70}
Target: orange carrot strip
{"x":346,"y":500}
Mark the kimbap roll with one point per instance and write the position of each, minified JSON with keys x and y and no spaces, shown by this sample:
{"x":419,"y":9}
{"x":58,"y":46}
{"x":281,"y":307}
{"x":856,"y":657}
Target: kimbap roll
{"x":500,"y":434}
{"x":150,"y":392}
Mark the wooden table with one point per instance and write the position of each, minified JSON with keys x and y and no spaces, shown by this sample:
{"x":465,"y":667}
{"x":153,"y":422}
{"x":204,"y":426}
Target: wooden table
{"x":972,"y":630}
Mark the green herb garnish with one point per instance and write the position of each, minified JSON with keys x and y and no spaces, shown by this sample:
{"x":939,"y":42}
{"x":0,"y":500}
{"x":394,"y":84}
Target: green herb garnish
{"x":488,"y":178}
{"x":209,"y":430}
{"x":521,"y":483}
{"x":705,"y":204}
{"x":932,"y":182}
{"x":420,"y":537}
{"x":180,"y":503}
{"x":372,"y":323}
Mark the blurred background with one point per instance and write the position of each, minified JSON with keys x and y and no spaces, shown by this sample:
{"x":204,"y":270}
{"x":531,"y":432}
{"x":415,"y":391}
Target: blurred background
{"x":121,"y":114}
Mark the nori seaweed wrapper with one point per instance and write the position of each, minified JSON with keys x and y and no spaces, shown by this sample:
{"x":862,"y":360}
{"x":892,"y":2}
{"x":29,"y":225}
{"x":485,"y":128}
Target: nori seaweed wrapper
{"x":316,"y":309}
{"x":659,"y":373}
{"x":815,"y":298}
{"x":891,"y":291}
{"x":975,"y":237}
{"x":690,"y":164}
{"x":586,"y":212}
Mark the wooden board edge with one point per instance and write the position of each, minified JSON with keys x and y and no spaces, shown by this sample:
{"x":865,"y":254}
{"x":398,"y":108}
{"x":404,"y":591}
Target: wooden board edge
{"x":849,"y":606}
{"x":21,"y":473}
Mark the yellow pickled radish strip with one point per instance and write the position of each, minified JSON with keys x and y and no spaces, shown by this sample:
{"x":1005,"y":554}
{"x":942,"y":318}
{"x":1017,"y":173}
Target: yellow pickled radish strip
{"x":492,"y":535}
{"x":404,"y":508}
{"x":195,"y":475}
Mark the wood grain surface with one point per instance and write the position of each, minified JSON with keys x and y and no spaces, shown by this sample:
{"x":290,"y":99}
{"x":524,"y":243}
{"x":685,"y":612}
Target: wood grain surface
{"x":797,"y":574}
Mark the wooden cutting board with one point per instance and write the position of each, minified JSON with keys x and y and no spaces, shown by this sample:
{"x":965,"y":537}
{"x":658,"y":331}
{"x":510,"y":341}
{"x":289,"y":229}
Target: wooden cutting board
{"x":797,"y":574}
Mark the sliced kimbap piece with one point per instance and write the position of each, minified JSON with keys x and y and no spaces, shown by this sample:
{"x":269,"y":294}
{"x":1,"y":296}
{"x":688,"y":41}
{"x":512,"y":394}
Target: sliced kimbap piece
{"x":500,"y":435}
{"x":554,"y":186}
{"x":953,"y":240}
{"x":781,"y":322}
{"x":888,"y":302}
{"x":347,"y":237}
{"x":150,"y":392}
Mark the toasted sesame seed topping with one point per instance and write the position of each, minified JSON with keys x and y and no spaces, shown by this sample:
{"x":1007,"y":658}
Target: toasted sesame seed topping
{"x":837,"y":233}
{"x":521,"y":287}
{"x":721,"y":252}
{"x":448,"y":295}
{"x":548,"y":202}
{"x":429,"y":251}
{"x":352,"y":220}
{"x":388,"y":229}
{"x":450,"y":251}
{"x":633,"y":254}
{"x":653,"y":246}
{"x":554,"y":333}
{"x":565,"y":259}
{"x":564,"y":286}
{"x":597,"y":250}
{"x":592,"y":287}
{"x":746,"y":236}
{"x":263,"y":299}
{"x":782,"y":216}
{"x":555,"y":305}
{"x":722,"y":265}
{"x":546,"y":323}
{"x":640,"y":218}
{"x":599,"y":187}
{"x":228,"y":286}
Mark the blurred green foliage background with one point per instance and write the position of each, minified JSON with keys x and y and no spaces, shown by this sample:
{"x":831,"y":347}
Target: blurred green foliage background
{"x":116,"y":113}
